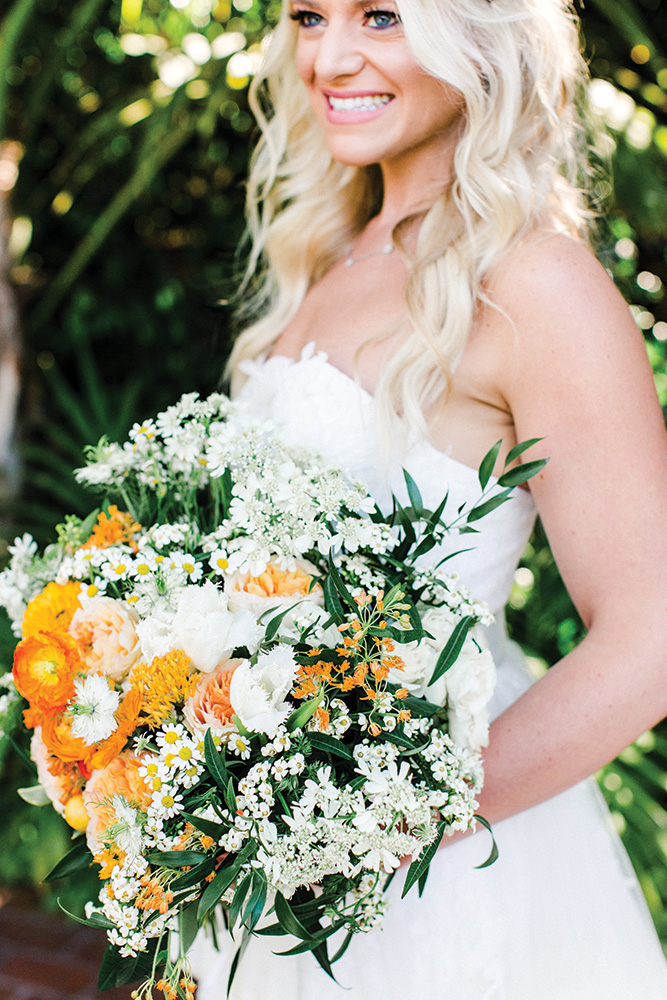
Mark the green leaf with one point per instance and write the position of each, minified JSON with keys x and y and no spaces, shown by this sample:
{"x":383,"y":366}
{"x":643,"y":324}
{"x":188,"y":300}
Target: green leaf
{"x":485,"y":508}
{"x":321,"y":954}
{"x":188,"y":925}
{"x":230,"y":796}
{"x":257,"y":900}
{"x":288,"y":919}
{"x":418,"y":867}
{"x":522,"y":473}
{"x":273,"y":626}
{"x":453,"y":647}
{"x":305,"y":712}
{"x":332,"y":601}
{"x":413,"y":492}
{"x":316,"y":940}
{"x":419,"y":707}
{"x":240,"y":894}
{"x":75,"y":860}
{"x":493,"y":856}
{"x":111,"y":962}
{"x":488,"y":464}
{"x":337,"y":579}
{"x":237,"y":958}
{"x":519,"y":449}
{"x":421,"y":882}
{"x":196,"y":874}
{"x":213,"y":762}
{"x":329,"y":744}
{"x":207,"y":826}
{"x":215,"y":889}
{"x":175,"y":859}
{"x":94,"y":920}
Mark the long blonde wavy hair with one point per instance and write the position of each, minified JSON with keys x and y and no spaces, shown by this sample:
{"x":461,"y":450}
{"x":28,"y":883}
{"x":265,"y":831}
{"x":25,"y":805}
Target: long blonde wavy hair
{"x":519,"y":161}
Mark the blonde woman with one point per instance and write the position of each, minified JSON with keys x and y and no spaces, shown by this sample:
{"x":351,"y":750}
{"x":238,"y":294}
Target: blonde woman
{"x":424,"y":289}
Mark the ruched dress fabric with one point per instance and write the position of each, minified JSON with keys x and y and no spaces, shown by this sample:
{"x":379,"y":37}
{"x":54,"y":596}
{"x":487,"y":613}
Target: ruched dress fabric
{"x":560,"y":915}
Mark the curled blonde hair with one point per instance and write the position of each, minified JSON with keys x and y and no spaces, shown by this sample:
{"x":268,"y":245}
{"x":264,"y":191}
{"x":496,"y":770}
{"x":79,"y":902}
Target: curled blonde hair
{"x":519,"y":161}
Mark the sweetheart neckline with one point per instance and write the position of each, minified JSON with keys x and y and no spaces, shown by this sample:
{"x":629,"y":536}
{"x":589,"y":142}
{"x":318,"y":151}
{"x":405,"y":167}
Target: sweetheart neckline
{"x":310,"y":352}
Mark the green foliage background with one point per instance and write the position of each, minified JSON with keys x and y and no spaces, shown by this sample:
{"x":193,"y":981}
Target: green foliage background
{"x":125,"y":135}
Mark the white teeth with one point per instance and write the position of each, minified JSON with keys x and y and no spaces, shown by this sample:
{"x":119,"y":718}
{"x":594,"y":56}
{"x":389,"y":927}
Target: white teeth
{"x":368,"y":103}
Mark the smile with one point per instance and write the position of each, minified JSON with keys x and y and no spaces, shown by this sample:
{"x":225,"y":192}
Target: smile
{"x":370,"y":102}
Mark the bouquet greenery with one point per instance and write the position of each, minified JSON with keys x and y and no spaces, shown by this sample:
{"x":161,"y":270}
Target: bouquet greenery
{"x":247,"y":686}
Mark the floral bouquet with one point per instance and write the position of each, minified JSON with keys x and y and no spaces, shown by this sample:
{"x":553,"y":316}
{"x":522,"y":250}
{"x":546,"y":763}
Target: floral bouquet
{"x":245,"y":688}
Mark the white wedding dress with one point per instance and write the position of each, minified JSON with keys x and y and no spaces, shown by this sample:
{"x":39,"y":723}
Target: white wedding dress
{"x":560,"y":915}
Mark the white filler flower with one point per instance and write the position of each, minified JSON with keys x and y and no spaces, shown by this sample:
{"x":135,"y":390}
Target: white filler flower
{"x":93,"y":709}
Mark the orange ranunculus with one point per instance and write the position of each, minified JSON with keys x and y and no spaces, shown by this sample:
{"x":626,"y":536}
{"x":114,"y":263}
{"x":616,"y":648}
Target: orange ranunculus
{"x":209,"y":707}
{"x":45,"y":666}
{"x":57,"y":735}
{"x":52,"y":610}
{"x":127,"y":717}
{"x":119,"y":777}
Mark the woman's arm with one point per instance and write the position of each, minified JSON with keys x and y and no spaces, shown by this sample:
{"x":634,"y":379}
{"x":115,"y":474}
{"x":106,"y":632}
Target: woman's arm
{"x":574,"y":370}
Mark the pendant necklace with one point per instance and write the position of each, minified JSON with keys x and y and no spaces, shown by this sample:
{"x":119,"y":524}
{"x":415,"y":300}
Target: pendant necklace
{"x":350,"y":260}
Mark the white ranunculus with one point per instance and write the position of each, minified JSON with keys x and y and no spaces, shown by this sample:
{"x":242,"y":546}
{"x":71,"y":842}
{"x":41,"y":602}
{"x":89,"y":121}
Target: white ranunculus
{"x":257,"y":693}
{"x":207,"y":631}
{"x":465,"y":688}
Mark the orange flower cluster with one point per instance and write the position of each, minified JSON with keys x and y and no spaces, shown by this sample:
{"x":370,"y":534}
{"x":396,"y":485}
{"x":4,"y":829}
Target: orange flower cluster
{"x":164,"y":682}
{"x":113,"y":528}
{"x":153,"y":895}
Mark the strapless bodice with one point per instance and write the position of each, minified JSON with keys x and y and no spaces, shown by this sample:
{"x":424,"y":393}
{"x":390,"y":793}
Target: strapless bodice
{"x":310,"y":402}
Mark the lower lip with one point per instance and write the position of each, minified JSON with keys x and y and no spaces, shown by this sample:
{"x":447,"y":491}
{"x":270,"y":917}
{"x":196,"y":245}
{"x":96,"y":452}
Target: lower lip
{"x":354,"y":117}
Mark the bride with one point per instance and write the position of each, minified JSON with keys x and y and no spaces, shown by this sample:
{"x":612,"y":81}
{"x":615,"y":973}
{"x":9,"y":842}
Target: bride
{"x":426,"y":289}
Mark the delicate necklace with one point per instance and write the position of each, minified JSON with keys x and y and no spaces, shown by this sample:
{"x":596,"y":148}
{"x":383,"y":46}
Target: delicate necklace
{"x":350,"y":260}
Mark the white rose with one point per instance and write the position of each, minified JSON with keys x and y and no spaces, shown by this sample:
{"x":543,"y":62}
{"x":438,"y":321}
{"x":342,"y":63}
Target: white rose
{"x":257,"y":693}
{"x":465,"y":688}
{"x":207,"y":631}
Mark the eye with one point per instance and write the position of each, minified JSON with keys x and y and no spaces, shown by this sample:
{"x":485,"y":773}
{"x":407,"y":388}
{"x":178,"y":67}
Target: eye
{"x":381,"y":18}
{"x":306,"y":18}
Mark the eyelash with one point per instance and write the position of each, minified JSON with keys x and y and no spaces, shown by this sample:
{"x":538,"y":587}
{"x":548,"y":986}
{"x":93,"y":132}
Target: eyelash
{"x":301,"y":17}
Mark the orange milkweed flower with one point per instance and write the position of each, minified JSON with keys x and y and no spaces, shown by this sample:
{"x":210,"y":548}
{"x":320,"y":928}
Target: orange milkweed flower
{"x":45,"y":666}
{"x":113,"y":529}
{"x":52,"y":609}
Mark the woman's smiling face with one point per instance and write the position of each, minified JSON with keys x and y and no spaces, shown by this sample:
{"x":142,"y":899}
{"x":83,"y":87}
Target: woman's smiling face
{"x":371,"y":98}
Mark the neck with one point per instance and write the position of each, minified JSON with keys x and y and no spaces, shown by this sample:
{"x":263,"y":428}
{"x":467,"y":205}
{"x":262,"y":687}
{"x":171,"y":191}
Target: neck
{"x":411,"y":184}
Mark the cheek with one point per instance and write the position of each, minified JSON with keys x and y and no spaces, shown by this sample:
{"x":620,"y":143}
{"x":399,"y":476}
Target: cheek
{"x":304,"y":60}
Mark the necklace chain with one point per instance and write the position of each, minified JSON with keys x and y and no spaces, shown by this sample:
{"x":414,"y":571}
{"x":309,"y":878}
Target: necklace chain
{"x":386,"y":249}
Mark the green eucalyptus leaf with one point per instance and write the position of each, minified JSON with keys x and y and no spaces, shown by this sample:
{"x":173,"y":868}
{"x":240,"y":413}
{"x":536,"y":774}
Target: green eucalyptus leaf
{"x":418,"y":867}
{"x":488,"y":464}
{"x":75,"y":860}
{"x":452,"y":648}
{"x":215,"y":761}
{"x":288,"y":919}
{"x":413,"y":492}
{"x":522,"y":473}
{"x":321,"y":741}
{"x":493,"y":856}
{"x":482,"y":509}
{"x":519,"y":449}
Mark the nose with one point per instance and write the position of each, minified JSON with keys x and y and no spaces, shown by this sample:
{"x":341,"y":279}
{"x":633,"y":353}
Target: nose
{"x":339,"y":52}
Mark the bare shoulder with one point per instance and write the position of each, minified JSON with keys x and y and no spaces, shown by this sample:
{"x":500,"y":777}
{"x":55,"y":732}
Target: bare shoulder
{"x":558,"y":297}
{"x":560,"y":323}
